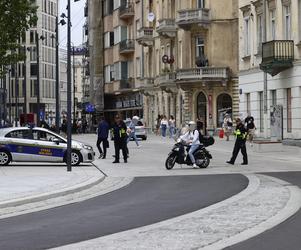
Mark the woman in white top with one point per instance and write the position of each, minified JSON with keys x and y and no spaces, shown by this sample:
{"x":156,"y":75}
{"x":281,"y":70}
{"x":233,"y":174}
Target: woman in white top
{"x":164,"y":125}
{"x":192,"y":137}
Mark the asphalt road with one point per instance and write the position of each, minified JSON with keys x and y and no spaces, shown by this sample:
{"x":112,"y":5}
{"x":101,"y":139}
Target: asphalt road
{"x":285,"y":236}
{"x":145,"y":201}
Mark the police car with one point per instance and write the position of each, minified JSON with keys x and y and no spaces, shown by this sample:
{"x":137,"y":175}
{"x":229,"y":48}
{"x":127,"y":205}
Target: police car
{"x":22,"y":144}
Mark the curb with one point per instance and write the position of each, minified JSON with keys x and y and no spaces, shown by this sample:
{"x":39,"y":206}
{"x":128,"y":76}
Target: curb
{"x":49,"y":195}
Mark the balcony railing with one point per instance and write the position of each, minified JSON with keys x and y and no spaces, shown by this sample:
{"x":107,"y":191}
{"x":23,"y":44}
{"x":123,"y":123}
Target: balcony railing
{"x":127,"y":46}
{"x":277,"y":55}
{"x":167,"y":27}
{"x":145,"y":36}
{"x":166,"y":78}
{"x":192,"y":16}
{"x":203,"y":73}
{"x":127,"y":11}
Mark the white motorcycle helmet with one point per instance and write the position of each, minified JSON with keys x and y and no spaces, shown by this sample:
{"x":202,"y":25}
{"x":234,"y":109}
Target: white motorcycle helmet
{"x":192,"y":125}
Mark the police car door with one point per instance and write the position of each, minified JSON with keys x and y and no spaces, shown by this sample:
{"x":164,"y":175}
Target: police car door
{"x":18,"y":144}
{"x":49,"y":149}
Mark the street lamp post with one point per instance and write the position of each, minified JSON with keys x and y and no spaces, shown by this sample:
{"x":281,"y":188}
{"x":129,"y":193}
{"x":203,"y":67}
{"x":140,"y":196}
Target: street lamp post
{"x":57,"y":79}
{"x":73,"y":83}
{"x":9,"y":93}
{"x":24,"y":82}
{"x":16,"y":95}
{"x":69,"y":140}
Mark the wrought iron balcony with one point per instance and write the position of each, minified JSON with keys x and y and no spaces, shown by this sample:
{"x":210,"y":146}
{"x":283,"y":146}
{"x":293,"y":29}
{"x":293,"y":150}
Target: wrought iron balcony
{"x":145,"y":36}
{"x":187,"y":18}
{"x":126,"y":11}
{"x":127,"y":46}
{"x":204,"y":73}
{"x":167,"y":28}
{"x":277,"y":56}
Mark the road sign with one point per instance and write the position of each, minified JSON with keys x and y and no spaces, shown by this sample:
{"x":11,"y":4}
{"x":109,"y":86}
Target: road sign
{"x":90,"y":108}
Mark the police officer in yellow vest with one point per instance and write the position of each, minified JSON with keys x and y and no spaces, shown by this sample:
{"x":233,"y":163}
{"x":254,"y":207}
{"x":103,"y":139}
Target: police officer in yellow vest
{"x":120,"y":138}
{"x":240,"y":143}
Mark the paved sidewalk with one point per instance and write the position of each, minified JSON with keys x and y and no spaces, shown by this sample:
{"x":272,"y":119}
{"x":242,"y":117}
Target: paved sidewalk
{"x":24,"y":184}
{"x":149,"y":159}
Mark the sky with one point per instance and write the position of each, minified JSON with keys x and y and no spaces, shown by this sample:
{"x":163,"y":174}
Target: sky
{"x":77,"y":20}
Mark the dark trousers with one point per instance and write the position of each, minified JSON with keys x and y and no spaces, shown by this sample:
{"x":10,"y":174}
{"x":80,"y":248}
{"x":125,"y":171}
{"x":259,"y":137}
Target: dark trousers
{"x":120,"y":145}
{"x":103,"y":141}
{"x":240,"y":145}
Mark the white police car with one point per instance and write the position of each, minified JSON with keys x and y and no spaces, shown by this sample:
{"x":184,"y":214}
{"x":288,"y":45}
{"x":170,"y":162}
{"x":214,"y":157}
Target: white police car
{"x":22,"y":144}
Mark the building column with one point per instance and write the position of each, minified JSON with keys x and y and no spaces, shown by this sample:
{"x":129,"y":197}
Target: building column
{"x":173,"y":105}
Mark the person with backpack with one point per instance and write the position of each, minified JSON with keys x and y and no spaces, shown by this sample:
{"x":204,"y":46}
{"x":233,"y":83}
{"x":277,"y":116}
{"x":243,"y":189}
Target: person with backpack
{"x":192,"y":137}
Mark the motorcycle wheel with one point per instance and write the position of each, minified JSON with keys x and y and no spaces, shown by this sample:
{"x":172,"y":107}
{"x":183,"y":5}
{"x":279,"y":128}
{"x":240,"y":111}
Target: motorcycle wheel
{"x":205,"y":163}
{"x":170,"y":162}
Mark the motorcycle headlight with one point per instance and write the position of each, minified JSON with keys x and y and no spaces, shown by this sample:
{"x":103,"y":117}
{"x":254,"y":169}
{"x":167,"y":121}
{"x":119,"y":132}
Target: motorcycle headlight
{"x":87,"y":147}
{"x":176,"y":149}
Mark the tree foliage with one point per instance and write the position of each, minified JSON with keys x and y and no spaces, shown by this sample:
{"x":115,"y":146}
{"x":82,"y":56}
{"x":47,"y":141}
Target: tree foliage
{"x":16,"y":16}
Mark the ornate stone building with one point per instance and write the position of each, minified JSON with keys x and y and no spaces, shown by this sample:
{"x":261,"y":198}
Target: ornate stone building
{"x":191,"y":59}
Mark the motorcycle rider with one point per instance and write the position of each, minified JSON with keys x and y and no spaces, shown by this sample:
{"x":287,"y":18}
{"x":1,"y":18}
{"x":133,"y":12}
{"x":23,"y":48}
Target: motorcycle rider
{"x":191,"y":137}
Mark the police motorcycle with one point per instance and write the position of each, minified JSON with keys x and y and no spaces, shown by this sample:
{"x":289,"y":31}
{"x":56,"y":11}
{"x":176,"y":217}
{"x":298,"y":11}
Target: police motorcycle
{"x":179,"y":155}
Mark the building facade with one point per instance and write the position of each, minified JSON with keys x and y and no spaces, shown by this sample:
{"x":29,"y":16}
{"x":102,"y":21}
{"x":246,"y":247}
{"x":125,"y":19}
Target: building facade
{"x":22,"y":78}
{"x":171,"y":57}
{"x":192,"y":60}
{"x":278,"y":56}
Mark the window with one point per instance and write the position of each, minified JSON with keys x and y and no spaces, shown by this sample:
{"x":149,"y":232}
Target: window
{"x":273,"y":97}
{"x":201,"y":4}
{"x":120,"y":34}
{"x":259,"y":32}
{"x":273,"y":24}
{"x":200,"y":47}
{"x":248,"y":103}
{"x":289,"y":109}
{"x":19,"y":134}
{"x":287,"y":22}
{"x":108,"y":7}
{"x":247,"y":36}
{"x":107,"y":73}
{"x":116,"y":4}
{"x":33,"y":69}
{"x":112,"y":72}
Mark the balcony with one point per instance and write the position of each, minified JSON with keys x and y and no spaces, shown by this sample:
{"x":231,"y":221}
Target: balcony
{"x":126,"y":11}
{"x":147,"y":83}
{"x":204,"y":73}
{"x":145,"y":36}
{"x":191,"y":17}
{"x":127,"y":46}
{"x":126,"y":84}
{"x":277,"y":56}
{"x":167,"y":28}
{"x":166,"y":79}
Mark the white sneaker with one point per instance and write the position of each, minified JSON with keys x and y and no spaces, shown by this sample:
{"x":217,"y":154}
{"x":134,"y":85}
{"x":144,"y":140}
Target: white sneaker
{"x":195,"y":166}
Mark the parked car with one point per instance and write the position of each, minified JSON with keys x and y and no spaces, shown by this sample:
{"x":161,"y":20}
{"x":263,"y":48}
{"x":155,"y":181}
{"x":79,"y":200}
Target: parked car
{"x":22,"y":144}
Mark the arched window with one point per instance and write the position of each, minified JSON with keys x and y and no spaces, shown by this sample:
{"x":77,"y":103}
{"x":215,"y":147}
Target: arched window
{"x":202,"y":109}
{"x":223,"y":105}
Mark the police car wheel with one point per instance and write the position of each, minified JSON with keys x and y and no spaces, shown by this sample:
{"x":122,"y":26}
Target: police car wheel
{"x":75,"y":158}
{"x":4,"y":158}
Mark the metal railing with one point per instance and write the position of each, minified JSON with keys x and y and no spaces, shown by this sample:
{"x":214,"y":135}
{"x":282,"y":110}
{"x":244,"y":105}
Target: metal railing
{"x":203,"y":73}
{"x":127,"y":45}
{"x":126,"y":10}
{"x":193,"y":15}
{"x":278,"y":50}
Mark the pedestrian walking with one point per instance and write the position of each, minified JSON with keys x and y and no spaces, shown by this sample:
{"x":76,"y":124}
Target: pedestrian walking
{"x":102,"y":137}
{"x":172,"y":126}
{"x":240,"y":143}
{"x":64,"y":126}
{"x":250,"y":126}
{"x":158,"y":124}
{"x":120,"y":139}
{"x":227,"y":125}
{"x":132,"y":131}
{"x":164,"y":125}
